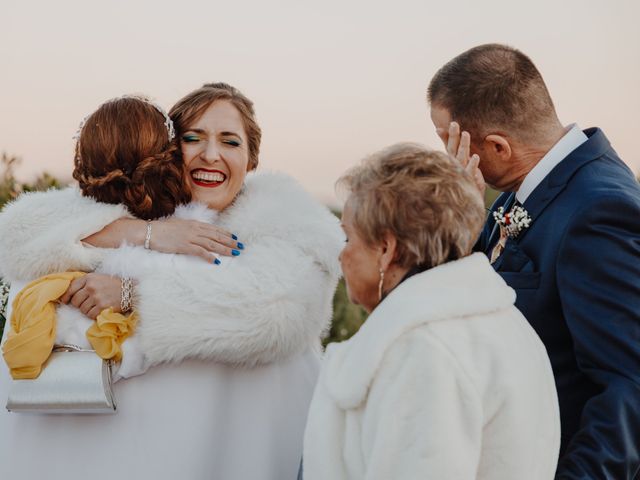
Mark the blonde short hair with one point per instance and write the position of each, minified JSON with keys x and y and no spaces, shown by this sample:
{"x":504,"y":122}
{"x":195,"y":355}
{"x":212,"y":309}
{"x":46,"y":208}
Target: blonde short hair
{"x":422,"y":197}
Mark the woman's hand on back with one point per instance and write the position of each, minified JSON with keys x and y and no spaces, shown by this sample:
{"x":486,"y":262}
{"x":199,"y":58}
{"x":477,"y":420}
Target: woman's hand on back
{"x":174,"y":235}
{"x":191,"y":237}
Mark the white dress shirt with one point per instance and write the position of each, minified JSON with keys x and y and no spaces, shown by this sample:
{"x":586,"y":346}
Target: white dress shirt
{"x":567,"y":144}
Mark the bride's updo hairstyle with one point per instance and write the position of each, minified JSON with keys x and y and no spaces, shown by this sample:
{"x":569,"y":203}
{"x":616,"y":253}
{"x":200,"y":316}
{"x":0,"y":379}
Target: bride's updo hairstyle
{"x":125,"y":154}
{"x":191,"y":107}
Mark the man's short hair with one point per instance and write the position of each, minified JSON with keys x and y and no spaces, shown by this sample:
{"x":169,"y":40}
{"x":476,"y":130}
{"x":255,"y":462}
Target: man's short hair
{"x":493,"y":88}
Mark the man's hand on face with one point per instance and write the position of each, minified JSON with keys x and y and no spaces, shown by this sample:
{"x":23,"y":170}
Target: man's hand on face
{"x":458,"y":146}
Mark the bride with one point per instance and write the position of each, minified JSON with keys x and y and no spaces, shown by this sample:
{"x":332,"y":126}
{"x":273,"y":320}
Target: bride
{"x":229,"y":347}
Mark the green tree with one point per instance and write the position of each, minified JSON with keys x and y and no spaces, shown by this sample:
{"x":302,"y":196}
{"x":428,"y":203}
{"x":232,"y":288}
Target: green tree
{"x":9,"y":187}
{"x":347,"y":317}
{"x":490,"y":196}
{"x":44,"y":181}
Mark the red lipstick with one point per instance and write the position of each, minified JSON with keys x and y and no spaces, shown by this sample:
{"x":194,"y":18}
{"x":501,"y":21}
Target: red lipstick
{"x":203,"y":182}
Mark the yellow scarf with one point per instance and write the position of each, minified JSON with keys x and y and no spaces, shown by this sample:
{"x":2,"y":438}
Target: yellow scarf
{"x":33,"y":327}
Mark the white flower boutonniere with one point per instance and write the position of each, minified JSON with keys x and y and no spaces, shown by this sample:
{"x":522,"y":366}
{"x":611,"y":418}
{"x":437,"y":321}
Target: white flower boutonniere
{"x":513,"y":222}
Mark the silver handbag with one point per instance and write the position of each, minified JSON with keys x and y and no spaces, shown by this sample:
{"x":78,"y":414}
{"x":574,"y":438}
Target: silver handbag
{"x":73,"y":380}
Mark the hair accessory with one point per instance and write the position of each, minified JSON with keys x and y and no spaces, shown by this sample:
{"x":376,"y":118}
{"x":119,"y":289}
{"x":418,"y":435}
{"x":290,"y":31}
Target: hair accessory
{"x":168,"y":123}
{"x":380,"y":285}
{"x":147,"y":237}
{"x":126,"y":295}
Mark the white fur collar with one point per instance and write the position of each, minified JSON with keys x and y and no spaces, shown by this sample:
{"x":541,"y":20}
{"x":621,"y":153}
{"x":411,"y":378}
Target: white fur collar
{"x":457,"y":289}
{"x":298,"y":217}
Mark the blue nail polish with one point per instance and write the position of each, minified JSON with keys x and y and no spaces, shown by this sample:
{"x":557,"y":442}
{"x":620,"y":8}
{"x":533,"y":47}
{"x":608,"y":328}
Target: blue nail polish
{"x":217,"y":261}
{"x":234,"y":236}
{"x":235,"y":253}
{"x":240,"y":246}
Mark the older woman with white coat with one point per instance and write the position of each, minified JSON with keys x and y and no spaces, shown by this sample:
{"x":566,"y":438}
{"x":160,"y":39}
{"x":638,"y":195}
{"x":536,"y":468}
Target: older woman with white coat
{"x":446,"y":379}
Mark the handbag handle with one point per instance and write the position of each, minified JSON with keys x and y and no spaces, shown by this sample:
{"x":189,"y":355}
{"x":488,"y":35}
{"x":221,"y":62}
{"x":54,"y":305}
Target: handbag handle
{"x":69,"y":347}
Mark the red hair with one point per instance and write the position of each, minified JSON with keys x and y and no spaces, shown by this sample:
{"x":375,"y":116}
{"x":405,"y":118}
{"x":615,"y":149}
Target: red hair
{"x":124,"y":156}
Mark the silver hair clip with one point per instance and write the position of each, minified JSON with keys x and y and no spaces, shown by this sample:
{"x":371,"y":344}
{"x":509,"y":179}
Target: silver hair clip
{"x":76,"y":136}
{"x":168,"y":123}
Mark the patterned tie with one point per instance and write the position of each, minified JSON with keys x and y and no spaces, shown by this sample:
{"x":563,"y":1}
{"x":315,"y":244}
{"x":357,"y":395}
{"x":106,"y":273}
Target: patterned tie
{"x":499,"y":247}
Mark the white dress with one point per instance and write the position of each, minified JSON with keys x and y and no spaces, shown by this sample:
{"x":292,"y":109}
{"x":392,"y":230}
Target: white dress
{"x":231,"y":378}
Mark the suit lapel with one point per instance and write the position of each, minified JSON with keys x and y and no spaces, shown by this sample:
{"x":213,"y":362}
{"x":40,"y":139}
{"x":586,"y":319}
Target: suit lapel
{"x":557,"y":179}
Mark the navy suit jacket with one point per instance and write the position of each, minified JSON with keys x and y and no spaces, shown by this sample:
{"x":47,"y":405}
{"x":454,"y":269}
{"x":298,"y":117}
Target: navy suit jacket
{"x":576,"y":272}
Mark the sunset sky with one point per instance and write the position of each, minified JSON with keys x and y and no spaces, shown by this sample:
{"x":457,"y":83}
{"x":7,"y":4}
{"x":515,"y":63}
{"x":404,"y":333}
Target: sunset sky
{"x":332,"y":80}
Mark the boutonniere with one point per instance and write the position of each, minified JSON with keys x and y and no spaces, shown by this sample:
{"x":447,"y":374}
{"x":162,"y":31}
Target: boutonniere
{"x":512,"y":222}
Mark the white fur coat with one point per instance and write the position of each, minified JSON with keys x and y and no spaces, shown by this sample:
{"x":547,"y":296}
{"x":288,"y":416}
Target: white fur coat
{"x":446,"y":380}
{"x":272,"y":301}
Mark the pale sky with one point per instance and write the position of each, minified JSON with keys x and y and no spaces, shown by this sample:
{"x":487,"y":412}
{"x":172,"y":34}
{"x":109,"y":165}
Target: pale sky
{"x":332,"y":81}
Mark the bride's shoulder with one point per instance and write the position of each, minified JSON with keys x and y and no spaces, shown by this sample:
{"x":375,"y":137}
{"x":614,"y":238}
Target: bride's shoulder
{"x":34,"y":199}
{"x":63,"y":209}
{"x":30,"y":206}
{"x":270,"y":181}
{"x":69,"y":200}
{"x":276,"y":205}
{"x":280,"y":194}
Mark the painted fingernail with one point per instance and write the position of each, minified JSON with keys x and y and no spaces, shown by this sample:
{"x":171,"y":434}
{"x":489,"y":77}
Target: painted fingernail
{"x":217,"y":261}
{"x":235,"y":253}
{"x":234,"y":236}
{"x":240,"y":246}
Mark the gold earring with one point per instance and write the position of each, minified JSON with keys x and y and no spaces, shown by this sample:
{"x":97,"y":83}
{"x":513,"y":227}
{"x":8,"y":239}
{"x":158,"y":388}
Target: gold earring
{"x":380,"y":285}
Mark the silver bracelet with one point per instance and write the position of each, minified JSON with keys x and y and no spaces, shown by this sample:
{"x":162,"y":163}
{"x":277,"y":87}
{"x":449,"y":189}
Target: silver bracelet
{"x":126,"y":294}
{"x":147,"y":237}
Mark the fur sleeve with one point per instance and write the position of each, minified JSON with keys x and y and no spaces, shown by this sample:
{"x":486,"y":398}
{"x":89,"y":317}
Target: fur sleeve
{"x":271,"y":302}
{"x":41,"y":233}
{"x":275,"y":205}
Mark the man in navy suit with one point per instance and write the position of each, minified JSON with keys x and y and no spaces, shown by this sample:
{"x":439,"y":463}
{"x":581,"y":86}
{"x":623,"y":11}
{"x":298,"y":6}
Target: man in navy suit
{"x":576,"y":267}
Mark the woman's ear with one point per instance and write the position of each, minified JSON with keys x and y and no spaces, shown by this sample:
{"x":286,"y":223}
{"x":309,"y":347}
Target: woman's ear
{"x":388,"y":251}
{"x":498,"y":146}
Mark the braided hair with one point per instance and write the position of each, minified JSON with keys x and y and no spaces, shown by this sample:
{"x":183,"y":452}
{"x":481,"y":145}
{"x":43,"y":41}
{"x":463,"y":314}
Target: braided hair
{"x":124,"y":155}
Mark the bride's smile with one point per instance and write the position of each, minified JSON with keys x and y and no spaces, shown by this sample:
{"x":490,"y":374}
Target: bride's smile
{"x":208,"y":178}
{"x":216,"y":156}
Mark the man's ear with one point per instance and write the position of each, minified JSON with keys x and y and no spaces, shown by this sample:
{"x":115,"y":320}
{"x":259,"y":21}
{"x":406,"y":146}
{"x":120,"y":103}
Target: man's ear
{"x":388,"y":248}
{"x":498,"y":146}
